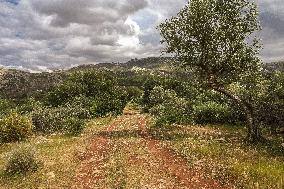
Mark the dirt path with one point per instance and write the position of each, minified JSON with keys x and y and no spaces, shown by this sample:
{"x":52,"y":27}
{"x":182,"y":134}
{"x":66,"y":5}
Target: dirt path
{"x":125,"y":155}
{"x":91,"y":170}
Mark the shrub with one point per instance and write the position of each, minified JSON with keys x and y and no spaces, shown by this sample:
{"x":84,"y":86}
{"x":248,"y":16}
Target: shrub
{"x":15,"y":127}
{"x":108,"y":105}
{"x":271,"y":105}
{"x":212,"y":112}
{"x":65,"y":119}
{"x":168,"y":108}
{"x":102,"y":90}
{"x":22,"y":161}
{"x":28,"y":105}
{"x":134,"y":94}
{"x":5,"y":106}
{"x":73,"y":126}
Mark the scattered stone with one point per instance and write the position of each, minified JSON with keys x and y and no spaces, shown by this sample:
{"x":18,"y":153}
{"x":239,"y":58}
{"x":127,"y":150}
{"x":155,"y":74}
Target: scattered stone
{"x":50,"y":175}
{"x":41,"y":139}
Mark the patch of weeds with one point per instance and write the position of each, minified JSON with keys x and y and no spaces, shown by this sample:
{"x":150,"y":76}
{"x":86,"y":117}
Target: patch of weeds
{"x":22,"y":161}
{"x":226,"y":157}
{"x":117,"y":173}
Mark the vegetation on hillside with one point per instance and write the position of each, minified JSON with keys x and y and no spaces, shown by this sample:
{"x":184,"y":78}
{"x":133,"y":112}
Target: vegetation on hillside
{"x":196,"y":104}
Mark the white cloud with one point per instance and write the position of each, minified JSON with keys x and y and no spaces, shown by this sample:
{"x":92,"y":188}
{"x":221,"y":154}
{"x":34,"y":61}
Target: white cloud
{"x":51,"y":34}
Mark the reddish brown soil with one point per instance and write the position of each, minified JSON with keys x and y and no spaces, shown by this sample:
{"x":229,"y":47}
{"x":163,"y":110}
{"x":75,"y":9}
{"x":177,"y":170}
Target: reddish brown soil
{"x":176,"y":164}
{"x":92,"y":169}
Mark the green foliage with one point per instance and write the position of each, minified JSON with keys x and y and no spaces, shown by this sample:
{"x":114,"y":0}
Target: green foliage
{"x":5,"y":106}
{"x":212,"y":112}
{"x":65,"y":119}
{"x":73,"y":126}
{"x":134,"y":94}
{"x":271,"y":105}
{"x":214,"y":39}
{"x":147,"y":87}
{"x":168,"y":108}
{"x":15,"y":127}
{"x":210,"y":36}
{"x":28,"y":105}
{"x":22,"y":161}
{"x":64,"y":93}
{"x":212,"y":107}
{"x":100,"y":90}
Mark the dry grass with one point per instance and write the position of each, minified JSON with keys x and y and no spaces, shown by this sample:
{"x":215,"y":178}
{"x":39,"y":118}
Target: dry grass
{"x":222,"y":154}
{"x":217,"y":151}
{"x":58,"y":154}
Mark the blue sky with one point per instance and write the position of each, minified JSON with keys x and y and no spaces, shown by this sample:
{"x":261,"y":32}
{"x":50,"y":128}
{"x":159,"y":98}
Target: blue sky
{"x":41,"y":35}
{"x":14,"y":2}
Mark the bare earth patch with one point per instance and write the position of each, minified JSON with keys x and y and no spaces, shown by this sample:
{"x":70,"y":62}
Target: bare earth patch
{"x":124,"y":155}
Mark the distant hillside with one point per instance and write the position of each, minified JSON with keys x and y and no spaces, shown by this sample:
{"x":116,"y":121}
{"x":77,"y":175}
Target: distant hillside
{"x":149,"y":63}
{"x":19,"y":84}
{"x":274,"y":66}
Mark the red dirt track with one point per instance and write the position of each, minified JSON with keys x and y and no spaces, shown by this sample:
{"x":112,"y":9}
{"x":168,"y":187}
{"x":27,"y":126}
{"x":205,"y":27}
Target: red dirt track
{"x":91,"y":171}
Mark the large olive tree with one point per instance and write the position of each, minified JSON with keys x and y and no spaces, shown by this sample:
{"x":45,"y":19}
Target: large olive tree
{"x":215,"y":40}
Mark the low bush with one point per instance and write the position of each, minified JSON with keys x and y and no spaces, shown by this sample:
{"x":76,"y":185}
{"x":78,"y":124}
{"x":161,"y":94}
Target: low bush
{"x":100,"y":89}
{"x":15,"y":127}
{"x":22,"y":161}
{"x":212,"y":112}
{"x":134,"y":94}
{"x":73,"y":126}
{"x":67,"y":119}
{"x":5,"y":106}
{"x":271,"y":106}
{"x":28,"y":105}
{"x":168,"y":108}
{"x":108,"y":105}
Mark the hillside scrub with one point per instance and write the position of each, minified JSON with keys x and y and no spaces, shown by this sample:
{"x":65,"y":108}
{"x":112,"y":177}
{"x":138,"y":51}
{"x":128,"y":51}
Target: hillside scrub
{"x":63,"y":119}
{"x":105,"y":96}
{"x":5,"y":106}
{"x":22,"y":161}
{"x":15,"y":127}
{"x":168,"y":108}
{"x":271,"y":105}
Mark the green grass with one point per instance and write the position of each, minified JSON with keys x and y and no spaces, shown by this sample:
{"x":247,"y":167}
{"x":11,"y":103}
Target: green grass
{"x":218,"y":150}
{"x":222,"y":153}
{"x":58,"y":154}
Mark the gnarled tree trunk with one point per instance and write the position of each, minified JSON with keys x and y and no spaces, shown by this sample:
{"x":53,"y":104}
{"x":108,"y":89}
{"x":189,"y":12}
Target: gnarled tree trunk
{"x":252,"y":128}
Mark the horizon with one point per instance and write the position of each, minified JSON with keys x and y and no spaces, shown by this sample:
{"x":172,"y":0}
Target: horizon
{"x":42,"y":36}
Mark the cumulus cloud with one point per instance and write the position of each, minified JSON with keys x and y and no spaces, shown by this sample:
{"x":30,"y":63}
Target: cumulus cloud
{"x":40,"y":34}
{"x":53,"y":34}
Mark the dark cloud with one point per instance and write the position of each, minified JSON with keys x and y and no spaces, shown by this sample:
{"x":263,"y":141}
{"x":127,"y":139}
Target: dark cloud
{"x":273,"y":21}
{"x":51,"y":34}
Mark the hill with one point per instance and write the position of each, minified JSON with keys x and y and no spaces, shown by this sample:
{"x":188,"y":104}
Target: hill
{"x":19,"y":84}
{"x":274,"y":66}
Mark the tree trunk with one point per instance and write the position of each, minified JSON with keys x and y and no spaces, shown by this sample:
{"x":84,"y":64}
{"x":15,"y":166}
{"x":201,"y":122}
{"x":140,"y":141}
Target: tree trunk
{"x":253,"y":134}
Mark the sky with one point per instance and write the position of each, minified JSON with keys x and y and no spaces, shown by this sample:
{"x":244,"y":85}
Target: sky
{"x":44,"y":35}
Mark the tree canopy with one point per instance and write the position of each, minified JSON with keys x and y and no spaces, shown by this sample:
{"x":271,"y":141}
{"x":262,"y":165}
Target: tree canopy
{"x":215,"y":39}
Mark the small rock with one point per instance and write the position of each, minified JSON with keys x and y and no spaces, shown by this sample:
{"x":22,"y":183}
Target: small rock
{"x":282,"y":145}
{"x":51,"y":175}
{"x":221,"y":140}
{"x":41,"y":139}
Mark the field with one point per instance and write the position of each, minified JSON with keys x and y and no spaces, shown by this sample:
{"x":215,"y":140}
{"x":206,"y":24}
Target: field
{"x":128,"y":152}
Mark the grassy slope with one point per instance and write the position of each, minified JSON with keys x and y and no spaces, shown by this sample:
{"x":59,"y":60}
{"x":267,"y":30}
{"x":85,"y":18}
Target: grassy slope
{"x":221,"y":152}
{"x":59,"y":156}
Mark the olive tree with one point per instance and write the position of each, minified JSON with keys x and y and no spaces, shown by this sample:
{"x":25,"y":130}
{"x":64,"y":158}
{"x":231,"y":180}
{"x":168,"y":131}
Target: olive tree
{"x":216,"y":40}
